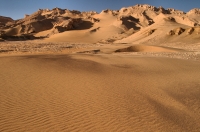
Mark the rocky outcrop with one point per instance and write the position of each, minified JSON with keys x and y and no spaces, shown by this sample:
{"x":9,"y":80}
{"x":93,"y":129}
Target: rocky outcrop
{"x":177,"y":12}
{"x":170,"y":19}
{"x":5,"y":19}
{"x":36,"y":26}
{"x":195,"y":11}
{"x":162,"y":10}
{"x":70,"y":24}
{"x":151,"y":31}
{"x":133,"y":18}
{"x":65,"y":25}
{"x":171,"y":32}
{"x":145,"y":7}
{"x":111,"y":12}
{"x":93,"y":20}
{"x":177,"y":31}
{"x":190,"y":31}
{"x":56,"y":19}
{"x":94,"y":30}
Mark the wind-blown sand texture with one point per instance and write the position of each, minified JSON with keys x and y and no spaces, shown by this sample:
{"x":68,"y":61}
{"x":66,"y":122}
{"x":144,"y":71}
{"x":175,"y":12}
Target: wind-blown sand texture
{"x":98,"y":93}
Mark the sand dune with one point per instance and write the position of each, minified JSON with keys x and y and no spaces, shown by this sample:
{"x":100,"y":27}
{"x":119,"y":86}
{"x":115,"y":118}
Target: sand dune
{"x":104,"y":30}
{"x":98,"y":93}
{"x":144,"y":48}
{"x":157,"y":32}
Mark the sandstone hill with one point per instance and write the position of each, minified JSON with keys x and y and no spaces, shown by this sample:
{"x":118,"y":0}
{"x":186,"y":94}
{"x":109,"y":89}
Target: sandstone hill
{"x":135,"y":24}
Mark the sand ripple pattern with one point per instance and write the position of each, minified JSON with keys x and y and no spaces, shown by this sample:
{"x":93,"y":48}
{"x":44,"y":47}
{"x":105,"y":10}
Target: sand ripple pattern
{"x":58,"y":93}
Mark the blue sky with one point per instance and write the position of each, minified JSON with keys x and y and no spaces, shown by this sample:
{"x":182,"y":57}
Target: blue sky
{"x":17,"y":8}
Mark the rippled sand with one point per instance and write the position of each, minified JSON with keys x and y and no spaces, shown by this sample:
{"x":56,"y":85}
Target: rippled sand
{"x":118,"y":92}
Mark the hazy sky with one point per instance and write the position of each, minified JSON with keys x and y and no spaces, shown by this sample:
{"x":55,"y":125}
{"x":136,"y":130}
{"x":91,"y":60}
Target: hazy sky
{"x":17,"y":8}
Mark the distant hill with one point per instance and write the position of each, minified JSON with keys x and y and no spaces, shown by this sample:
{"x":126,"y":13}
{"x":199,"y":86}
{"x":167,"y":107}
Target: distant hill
{"x":134,"y":24}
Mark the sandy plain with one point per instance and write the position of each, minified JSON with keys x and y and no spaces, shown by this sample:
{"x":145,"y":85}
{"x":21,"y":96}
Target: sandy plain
{"x":85,"y":87}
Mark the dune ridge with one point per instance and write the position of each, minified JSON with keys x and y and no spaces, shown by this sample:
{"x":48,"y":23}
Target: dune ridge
{"x":143,"y":48}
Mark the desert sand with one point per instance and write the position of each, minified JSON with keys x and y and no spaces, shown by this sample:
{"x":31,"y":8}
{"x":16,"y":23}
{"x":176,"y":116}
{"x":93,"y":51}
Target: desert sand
{"x":99,"y":93}
{"x":132,"y":70}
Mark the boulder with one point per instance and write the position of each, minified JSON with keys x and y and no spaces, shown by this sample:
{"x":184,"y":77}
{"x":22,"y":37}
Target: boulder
{"x":190,"y":31}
